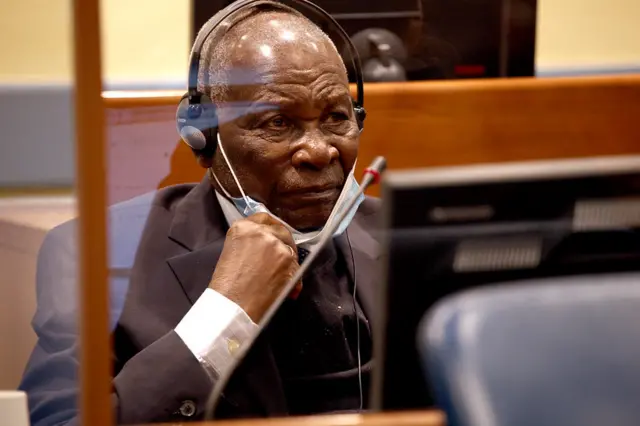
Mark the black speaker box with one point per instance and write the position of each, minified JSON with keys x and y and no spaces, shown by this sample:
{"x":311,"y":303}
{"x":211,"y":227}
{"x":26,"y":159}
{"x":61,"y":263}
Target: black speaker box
{"x":480,"y":38}
{"x":445,"y":39}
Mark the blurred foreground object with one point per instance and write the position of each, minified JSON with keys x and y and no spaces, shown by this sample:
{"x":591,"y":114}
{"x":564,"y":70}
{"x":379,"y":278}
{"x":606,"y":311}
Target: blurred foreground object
{"x":13,"y":406}
{"x":551,"y":352}
{"x":452,"y":229}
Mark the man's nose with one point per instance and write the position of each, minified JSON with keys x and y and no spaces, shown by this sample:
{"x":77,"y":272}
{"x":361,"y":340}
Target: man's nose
{"x":314,"y":151}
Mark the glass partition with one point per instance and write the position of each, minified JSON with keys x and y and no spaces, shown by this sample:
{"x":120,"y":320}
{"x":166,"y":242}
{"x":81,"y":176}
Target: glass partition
{"x":194,"y":230}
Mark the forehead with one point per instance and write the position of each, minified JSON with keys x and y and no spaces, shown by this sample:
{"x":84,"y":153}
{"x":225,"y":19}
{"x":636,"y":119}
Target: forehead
{"x":294,"y":87}
{"x":280,"y":48}
{"x":277,"y":28}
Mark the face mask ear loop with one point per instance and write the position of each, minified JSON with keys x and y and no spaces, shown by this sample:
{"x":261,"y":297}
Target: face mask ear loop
{"x":235,"y":178}
{"x":224,"y":191}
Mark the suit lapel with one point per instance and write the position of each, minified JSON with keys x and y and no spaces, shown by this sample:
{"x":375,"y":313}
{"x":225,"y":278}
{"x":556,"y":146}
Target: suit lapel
{"x":199,"y":227}
{"x":193,"y":269}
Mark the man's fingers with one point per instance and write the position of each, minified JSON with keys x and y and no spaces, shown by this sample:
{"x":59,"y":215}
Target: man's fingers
{"x":285,"y":236}
{"x":293,"y":252}
{"x":263,"y":219}
{"x":276,"y":228}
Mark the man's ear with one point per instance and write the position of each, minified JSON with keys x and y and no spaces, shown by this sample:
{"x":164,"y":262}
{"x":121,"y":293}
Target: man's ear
{"x":204,"y":161}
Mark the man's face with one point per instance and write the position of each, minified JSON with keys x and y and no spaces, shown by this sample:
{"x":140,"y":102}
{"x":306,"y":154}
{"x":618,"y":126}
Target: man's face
{"x":293,"y":158}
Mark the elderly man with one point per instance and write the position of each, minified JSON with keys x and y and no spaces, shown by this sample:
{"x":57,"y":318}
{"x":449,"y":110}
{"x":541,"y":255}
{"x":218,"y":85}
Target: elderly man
{"x":207,"y":267}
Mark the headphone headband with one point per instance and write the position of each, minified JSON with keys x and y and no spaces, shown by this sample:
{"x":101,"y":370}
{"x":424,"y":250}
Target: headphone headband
{"x":194,"y":59}
{"x":196,"y":116}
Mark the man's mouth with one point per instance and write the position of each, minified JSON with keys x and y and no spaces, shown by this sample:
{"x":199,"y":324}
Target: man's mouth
{"x":314,"y":194}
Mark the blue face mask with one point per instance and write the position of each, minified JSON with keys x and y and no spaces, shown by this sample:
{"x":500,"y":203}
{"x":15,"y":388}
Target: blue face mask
{"x":246,"y":206}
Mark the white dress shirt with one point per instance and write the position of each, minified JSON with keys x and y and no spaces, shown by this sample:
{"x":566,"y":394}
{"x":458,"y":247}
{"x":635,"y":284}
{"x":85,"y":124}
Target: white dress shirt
{"x":215,"y":327}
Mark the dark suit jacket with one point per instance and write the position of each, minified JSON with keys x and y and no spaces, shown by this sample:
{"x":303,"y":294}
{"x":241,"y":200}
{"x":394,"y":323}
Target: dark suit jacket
{"x":155,"y":373}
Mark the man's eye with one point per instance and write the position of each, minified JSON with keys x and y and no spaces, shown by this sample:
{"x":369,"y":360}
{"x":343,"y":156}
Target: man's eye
{"x":338,"y":117}
{"x":277,"y":122}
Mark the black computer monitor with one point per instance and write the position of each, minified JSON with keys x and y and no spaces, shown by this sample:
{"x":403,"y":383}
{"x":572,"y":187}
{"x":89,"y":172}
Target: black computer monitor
{"x":449,"y":229}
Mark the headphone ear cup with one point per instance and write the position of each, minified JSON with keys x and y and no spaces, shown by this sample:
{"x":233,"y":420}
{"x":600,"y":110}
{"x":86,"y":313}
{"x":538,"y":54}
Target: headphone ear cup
{"x":209,"y":128}
{"x":187,"y":116}
{"x":196,"y":123}
{"x":360,"y":113}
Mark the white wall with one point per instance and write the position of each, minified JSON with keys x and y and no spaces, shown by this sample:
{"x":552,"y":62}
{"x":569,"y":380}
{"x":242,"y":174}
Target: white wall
{"x":148,"y":40}
{"x":143,"y":40}
{"x":35,"y":41}
{"x":588,"y":34}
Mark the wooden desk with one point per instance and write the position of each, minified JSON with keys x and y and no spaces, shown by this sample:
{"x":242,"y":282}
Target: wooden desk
{"x":437,"y":123}
{"x":412,"y":418}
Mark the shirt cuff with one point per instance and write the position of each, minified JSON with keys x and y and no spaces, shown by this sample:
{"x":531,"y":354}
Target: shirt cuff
{"x":214,"y":329}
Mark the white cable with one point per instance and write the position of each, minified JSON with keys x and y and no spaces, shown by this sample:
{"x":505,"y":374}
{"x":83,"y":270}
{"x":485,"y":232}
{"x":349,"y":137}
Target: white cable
{"x":224,"y":154}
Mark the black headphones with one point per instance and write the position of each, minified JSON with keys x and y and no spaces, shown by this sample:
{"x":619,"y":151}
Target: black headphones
{"x":196,"y":118}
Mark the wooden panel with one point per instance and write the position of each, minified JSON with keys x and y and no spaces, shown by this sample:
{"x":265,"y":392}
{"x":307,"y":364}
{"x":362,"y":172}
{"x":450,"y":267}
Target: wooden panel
{"x":423,"y":124}
{"x":95,"y":353}
{"x":463,"y":122}
{"x":415,"y":418}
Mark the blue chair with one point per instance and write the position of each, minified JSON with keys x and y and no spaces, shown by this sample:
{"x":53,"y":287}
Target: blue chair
{"x":51,"y":376}
{"x":562,"y":352}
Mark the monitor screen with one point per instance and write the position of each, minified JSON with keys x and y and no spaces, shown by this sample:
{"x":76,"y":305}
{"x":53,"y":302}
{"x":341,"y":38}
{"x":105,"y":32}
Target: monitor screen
{"x":451,"y":229}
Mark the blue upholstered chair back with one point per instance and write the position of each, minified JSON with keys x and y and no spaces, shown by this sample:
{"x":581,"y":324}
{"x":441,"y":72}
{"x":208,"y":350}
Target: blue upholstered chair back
{"x":51,"y":377}
{"x":57,"y":280}
{"x":126,"y":223}
{"x":562,"y":352}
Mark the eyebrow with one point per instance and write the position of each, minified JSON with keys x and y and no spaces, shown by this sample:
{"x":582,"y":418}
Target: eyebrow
{"x":269,"y":97}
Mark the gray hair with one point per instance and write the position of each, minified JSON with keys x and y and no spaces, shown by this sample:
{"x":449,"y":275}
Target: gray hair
{"x":214,"y":68}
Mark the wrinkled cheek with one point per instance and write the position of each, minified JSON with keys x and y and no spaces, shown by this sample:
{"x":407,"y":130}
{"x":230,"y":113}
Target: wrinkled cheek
{"x":261,"y":170}
{"x":349,"y":153}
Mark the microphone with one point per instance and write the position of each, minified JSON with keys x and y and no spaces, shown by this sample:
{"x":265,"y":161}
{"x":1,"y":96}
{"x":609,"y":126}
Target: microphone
{"x":372,"y":175}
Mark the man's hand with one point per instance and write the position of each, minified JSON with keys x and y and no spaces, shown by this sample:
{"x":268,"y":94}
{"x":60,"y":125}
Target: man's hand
{"x":258,"y":258}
